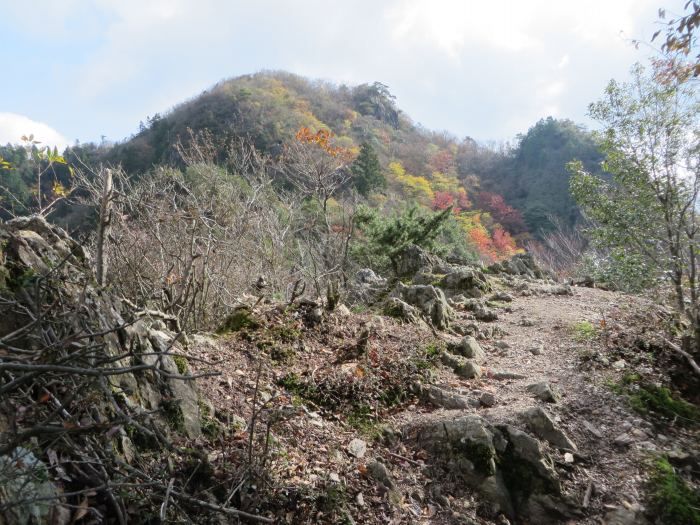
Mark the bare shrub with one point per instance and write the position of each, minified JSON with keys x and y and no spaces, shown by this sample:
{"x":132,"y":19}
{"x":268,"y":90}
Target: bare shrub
{"x":189,"y":242}
{"x":318,"y":171}
{"x":561,"y":250}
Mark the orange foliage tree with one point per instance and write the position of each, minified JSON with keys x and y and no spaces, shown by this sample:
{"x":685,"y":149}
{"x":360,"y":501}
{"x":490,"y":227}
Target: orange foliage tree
{"x":316,"y":165}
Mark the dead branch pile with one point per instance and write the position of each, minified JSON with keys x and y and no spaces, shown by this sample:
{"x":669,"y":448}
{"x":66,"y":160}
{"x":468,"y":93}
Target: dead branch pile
{"x":95,"y":403}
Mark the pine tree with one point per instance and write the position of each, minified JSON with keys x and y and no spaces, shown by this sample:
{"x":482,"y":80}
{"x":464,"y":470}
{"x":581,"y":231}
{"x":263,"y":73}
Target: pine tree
{"x":367,"y":172}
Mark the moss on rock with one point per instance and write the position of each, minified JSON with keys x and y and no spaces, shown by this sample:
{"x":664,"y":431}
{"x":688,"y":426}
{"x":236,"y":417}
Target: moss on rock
{"x":241,"y":318}
{"x":672,"y":501}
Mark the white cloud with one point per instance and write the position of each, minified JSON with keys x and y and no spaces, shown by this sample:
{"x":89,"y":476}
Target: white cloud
{"x":13,"y":126}
{"x":473,"y":67}
{"x":451,"y":25}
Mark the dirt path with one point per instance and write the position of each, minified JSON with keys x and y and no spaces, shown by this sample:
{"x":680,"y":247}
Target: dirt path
{"x":590,"y":413}
{"x":312,"y":461}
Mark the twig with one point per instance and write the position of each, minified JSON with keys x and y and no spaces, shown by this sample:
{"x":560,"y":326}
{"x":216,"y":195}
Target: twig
{"x":224,"y":510}
{"x":404,"y":458}
{"x":685,"y":354}
{"x":164,"y":506}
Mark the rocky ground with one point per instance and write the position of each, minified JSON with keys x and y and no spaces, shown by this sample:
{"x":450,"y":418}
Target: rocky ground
{"x":454,"y":395}
{"x":370,"y":419}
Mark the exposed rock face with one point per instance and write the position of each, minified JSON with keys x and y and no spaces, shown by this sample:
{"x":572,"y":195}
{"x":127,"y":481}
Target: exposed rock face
{"x":470,"y":282}
{"x":430,"y":301}
{"x":544,"y":392}
{"x":415,"y":259}
{"x":23,"y":475}
{"x":480,"y":310}
{"x":395,"y":307}
{"x":427,"y":269}
{"x":34,"y":248}
{"x":367,"y":287}
{"x":542,"y":425}
{"x":521,"y":264}
{"x":470,"y":348}
{"x":444,"y":398}
{"x":461,"y":366}
{"x":506,"y":465}
{"x":33,"y":252}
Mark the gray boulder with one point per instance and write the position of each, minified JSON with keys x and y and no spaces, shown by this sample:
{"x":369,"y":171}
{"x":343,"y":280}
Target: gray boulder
{"x":470,"y":282}
{"x":429,"y":301}
{"x":503,"y":297}
{"x":521,"y":264}
{"x":544,"y":392}
{"x":378,"y":471}
{"x":485,"y":314}
{"x":487,"y":399}
{"x":367,"y":287}
{"x":469,"y":347}
{"x":395,"y":307}
{"x":367,"y":276}
{"x":444,"y":398}
{"x":32,"y":246}
{"x":506,"y":466}
{"x":24,"y":476}
{"x":626,"y":516}
{"x":461,"y":366}
{"x":556,"y":289}
{"x":542,"y":425}
{"x":414,"y":259}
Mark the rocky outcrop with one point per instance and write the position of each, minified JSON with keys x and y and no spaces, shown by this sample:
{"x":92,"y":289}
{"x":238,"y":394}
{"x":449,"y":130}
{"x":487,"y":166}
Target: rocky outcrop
{"x":23,"y":474}
{"x":427,"y":269}
{"x":543,"y":426}
{"x":507,"y":466}
{"x":127,"y":375}
{"x":544,"y":392}
{"x":469,"y":347}
{"x":443,"y":397}
{"x":470,"y":282}
{"x":367,"y":287}
{"x":415,"y":259}
{"x":33,"y":250}
{"x":461,"y":366}
{"x":522,"y":264}
{"x":395,"y":307}
{"x":429,"y":300}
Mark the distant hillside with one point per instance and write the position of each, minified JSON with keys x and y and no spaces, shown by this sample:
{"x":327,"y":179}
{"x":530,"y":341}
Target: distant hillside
{"x":270,"y":107}
{"x":496,"y":193}
{"x":534,"y":178}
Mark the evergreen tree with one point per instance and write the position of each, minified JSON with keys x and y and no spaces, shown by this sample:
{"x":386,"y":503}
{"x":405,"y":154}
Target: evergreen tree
{"x":384,"y":238}
{"x":367,"y":172}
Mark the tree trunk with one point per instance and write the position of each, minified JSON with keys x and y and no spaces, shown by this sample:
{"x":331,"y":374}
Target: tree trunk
{"x":103,"y":226}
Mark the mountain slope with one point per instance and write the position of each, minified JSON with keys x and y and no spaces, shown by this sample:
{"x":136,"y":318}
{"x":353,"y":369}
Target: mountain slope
{"x":500,"y":196}
{"x":536,"y":180}
{"x":270,"y":107}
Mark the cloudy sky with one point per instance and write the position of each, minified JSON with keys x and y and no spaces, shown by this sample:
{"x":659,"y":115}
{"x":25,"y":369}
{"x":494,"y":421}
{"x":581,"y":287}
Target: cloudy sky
{"x":80,"y":69}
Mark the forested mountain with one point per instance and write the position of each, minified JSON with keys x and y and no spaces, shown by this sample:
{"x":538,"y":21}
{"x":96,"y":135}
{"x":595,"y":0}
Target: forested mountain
{"x":533,"y":177}
{"x":500,"y":195}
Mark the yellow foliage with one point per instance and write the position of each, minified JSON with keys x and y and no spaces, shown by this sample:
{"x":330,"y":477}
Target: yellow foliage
{"x":442,"y":182}
{"x":59,"y":190}
{"x":417,"y":187}
{"x":324,"y":139}
{"x":397,"y":170}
